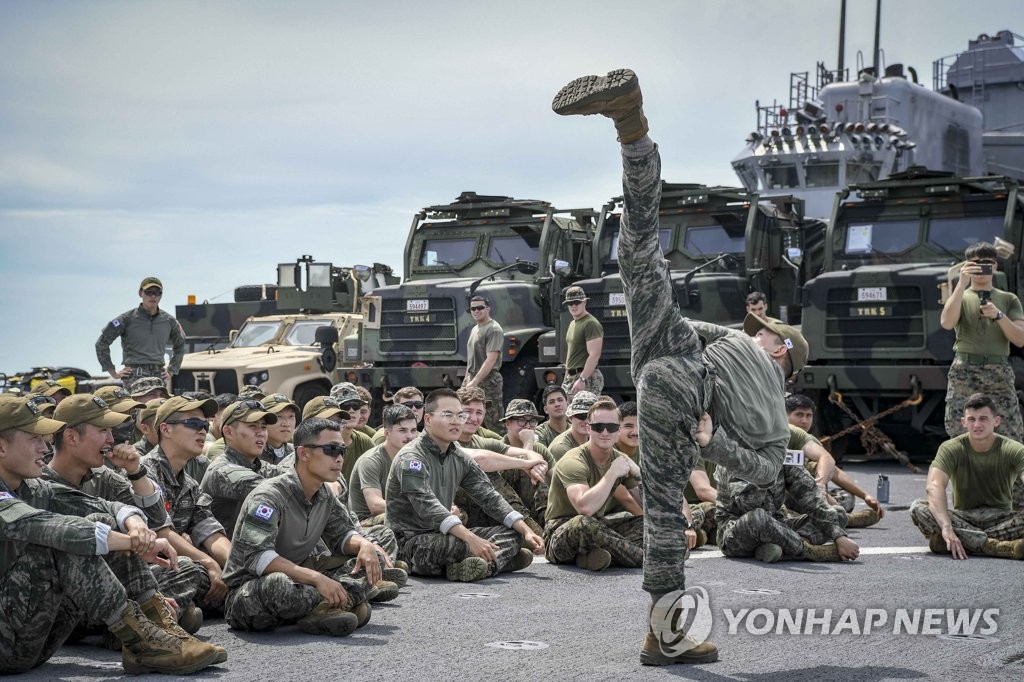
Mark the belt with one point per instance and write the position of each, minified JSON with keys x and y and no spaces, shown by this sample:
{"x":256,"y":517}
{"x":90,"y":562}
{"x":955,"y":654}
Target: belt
{"x":573,"y":372}
{"x":146,"y":366}
{"x":975,"y":359}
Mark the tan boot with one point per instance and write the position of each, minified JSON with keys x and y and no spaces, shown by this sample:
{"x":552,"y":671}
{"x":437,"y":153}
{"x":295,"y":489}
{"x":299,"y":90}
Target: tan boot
{"x":665,"y":644}
{"x":616,"y":95}
{"x":147,"y":648}
{"x":468,"y":570}
{"x":827,"y":552}
{"x":157,"y":610}
{"x":520,"y":561}
{"x":769,"y":553}
{"x":1004,"y":549}
{"x":395,"y":575}
{"x":362,"y":612}
{"x":937,"y":544}
{"x":594,"y":560}
{"x":383,"y":590}
{"x":702,"y":538}
{"x":325,"y":619}
{"x":862,"y":518}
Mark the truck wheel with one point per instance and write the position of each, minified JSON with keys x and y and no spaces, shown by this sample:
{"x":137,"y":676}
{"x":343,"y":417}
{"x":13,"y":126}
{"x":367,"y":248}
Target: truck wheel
{"x":306,"y":392}
{"x":254,"y":292}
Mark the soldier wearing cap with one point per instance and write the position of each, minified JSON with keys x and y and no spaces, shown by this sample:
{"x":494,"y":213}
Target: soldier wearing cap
{"x":579,"y":431}
{"x":370,"y":474}
{"x":356,"y":442}
{"x":520,"y":420}
{"x":145,"y":333}
{"x":584,"y":339}
{"x":144,"y":419}
{"x":483,"y":359}
{"x":121,"y":401}
{"x":51,"y":389}
{"x":53,"y":571}
{"x":145,"y":389}
{"x":410,"y":397}
{"x":181,"y":425}
{"x":554,"y":401}
{"x":280,"y":431}
{"x":233,"y":475}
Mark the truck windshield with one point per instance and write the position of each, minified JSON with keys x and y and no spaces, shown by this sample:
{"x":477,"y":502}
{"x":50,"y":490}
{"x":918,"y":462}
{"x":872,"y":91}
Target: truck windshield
{"x":255,"y":334}
{"x":956,"y":234}
{"x":712,"y":240}
{"x":895,"y":236}
{"x":303,"y":332}
{"x":505,"y":250}
{"x":447,"y":251}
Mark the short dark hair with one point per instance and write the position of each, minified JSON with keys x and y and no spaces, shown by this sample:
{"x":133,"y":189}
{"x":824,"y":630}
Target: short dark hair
{"x":224,"y":399}
{"x":7,"y":435}
{"x":395,"y":414}
{"x":434,"y":397}
{"x":310,"y":429}
{"x":798,"y":401}
{"x":981,"y":250}
{"x":484,"y":299}
{"x":58,"y":438}
{"x":978,"y":401}
{"x":552,"y":388}
{"x":755,"y":297}
{"x":627,"y":409}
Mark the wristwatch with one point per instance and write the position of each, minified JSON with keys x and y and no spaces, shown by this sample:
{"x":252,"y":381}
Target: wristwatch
{"x":999,"y":315}
{"x":689,"y":524}
{"x":138,"y":475}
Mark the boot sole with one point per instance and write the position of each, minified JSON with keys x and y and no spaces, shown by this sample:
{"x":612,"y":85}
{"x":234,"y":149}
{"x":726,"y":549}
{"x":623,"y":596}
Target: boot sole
{"x":335,"y":627}
{"x":577,"y":96}
{"x":658,"y":659}
{"x":142,"y":669}
{"x":462,"y":573}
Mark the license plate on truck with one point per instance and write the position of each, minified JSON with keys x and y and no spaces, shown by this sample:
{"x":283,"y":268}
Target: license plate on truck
{"x":872,"y":294}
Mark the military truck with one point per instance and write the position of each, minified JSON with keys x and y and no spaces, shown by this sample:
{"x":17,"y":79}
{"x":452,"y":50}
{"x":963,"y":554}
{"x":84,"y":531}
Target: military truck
{"x":295,"y":353}
{"x":415,"y":333}
{"x":872,"y":316}
{"x":721,"y":244}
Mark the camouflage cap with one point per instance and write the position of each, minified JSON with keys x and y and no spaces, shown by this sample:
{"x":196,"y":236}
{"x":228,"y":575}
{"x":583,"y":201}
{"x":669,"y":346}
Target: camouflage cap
{"x":119,"y":399}
{"x":276,"y":402}
{"x":581,"y":404}
{"x":246,"y":411}
{"x":345,"y":393}
{"x":141,"y":387}
{"x":22,"y":414}
{"x":251,"y":393}
{"x":86,"y":408}
{"x":791,"y":337}
{"x":324,"y":407}
{"x":573,"y":294}
{"x":520,"y":407}
{"x":50,"y":388}
{"x":151,"y":282}
{"x":180,"y":403}
{"x":149,"y":411}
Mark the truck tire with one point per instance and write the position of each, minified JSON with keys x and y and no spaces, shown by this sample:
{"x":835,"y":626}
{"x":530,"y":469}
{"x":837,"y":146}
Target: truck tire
{"x":306,"y":392}
{"x":254,"y":292}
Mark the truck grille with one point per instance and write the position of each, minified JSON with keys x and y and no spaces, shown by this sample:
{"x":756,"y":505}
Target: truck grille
{"x":224,"y":381}
{"x":896,"y":322}
{"x":411,"y":332}
{"x":616,"y":325}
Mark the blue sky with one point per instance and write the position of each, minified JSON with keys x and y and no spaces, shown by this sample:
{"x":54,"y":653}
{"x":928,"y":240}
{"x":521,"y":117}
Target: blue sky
{"x":204,"y":142}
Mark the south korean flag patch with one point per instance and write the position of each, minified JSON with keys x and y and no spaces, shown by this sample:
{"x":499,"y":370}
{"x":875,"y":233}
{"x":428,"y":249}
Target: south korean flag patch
{"x":263,"y":512}
{"x":4,"y":495}
{"x":415,"y":465}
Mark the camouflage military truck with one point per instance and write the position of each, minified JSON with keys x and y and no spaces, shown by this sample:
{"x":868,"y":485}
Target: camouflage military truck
{"x":872,"y":317}
{"x":295,"y":353}
{"x":416,"y":333}
{"x":721,"y":243}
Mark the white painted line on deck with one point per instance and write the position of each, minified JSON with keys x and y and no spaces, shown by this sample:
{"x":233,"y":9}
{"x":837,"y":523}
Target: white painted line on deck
{"x":864,"y":551}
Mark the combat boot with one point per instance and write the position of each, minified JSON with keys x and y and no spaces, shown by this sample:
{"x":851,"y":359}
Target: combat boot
{"x":149,"y":649}
{"x":663,"y":627}
{"x":595,"y":560}
{"x":827,"y":552}
{"x":157,"y":610}
{"x":616,"y":95}
{"x":325,"y":619}
{"x":862,"y":518}
{"x":468,"y":570}
{"x":769,"y":553}
{"x":383,"y":590}
{"x":702,"y":538}
{"x":402,"y":566}
{"x":937,"y":544}
{"x":520,"y":561}
{"x":1004,"y":549}
{"x":395,"y":575}
{"x":362,"y":612}
{"x":191,"y":619}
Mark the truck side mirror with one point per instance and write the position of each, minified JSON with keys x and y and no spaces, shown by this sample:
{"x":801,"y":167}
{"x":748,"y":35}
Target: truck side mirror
{"x":326,"y":336}
{"x":527,"y":267}
{"x":232,"y":335}
{"x":561,"y":268}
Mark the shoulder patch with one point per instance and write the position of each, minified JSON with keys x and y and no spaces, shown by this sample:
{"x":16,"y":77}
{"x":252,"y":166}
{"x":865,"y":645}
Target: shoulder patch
{"x":116,"y":322}
{"x":6,"y":495}
{"x":264,"y":512}
{"x":415,"y":465}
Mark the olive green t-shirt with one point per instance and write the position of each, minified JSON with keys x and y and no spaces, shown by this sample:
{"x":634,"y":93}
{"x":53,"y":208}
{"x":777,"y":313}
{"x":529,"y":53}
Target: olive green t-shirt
{"x":708,"y":468}
{"x":587,"y":328}
{"x":563,"y":443}
{"x":981,"y":479}
{"x":980,"y":335}
{"x":485,"y":338}
{"x":577,"y":467}
{"x":360,"y":444}
{"x":546,"y":433}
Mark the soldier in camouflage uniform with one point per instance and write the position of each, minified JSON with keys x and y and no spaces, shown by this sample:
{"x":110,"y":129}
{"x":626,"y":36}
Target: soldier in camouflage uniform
{"x":983,"y":467}
{"x":370,"y":475}
{"x":356,"y":442}
{"x":51,"y":573}
{"x":554,"y":401}
{"x":699,"y":387}
{"x":520,"y":431}
{"x":274,"y":570}
{"x":585,"y":483}
{"x":584,"y":339}
{"x":578,"y":432}
{"x":986,"y":321}
{"x":483,"y":352}
{"x":145,"y":333}
{"x":280,"y":431}
{"x":51,"y":389}
{"x":420,"y":491}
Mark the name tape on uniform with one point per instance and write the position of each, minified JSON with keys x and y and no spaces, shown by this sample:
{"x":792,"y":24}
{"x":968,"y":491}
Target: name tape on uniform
{"x":794,"y":458}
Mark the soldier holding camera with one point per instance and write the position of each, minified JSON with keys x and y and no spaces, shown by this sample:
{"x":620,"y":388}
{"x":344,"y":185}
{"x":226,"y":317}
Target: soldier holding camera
{"x":986,"y":320}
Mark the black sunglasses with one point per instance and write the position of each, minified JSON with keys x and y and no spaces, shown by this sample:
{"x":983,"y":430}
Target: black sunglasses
{"x":330,"y":449}
{"x":153,"y":292}
{"x":413,"y":404}
{"x":601,"y":427}
{"x":194,"y":423}
{"x":476,"y":308}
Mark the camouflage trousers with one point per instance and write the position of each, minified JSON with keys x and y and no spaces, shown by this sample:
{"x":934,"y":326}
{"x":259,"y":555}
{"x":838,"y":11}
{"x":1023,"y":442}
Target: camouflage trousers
{"x":493,"y":387}
{"x":972,"y":526}
{"x":431,"y":553}
{"x":621,"y":534}
{"x":673,"y":382}
{"x":187,"y":585}
{"x":594,"y":383}
{"x":141,"y":371}
{"x":997,"y":382}
{"x":704,"y":518}
{"x":740,"y":537}
{"x":43,"y":595}
{"x":506,"y":483}
{"x":274,"y":599}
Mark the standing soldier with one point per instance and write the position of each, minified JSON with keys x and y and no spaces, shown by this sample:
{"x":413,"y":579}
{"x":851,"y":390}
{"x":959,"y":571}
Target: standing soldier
{"x":145,"y":333}
{"x":483,"y":359}
{"x":583,"y":340}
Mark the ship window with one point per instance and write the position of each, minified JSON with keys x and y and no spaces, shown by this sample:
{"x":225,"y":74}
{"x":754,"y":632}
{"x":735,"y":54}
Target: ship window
{"x":822,"y":174}
{"x":664,"y":239}
{"x":956,"y":234}
{"x":888,"y":237}
{"x":781,"y":177}
{"x":505,"y":250}
{"x":441,"y":252}
{"x":711,"y":240}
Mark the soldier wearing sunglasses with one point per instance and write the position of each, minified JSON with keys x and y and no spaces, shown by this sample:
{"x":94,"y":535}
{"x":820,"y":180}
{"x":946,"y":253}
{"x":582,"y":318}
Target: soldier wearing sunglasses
{"x":407,"y":396}
{"x":483,"y":359}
